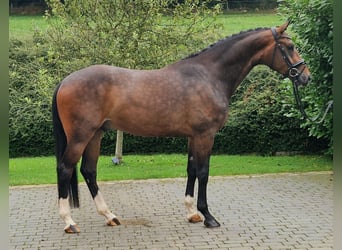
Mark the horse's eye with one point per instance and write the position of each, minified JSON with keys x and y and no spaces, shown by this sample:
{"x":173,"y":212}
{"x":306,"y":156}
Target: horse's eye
{"x":290,"y":47}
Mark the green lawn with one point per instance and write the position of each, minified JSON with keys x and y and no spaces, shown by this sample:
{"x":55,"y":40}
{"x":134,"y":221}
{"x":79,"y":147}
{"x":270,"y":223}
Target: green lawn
{"x":22,"y":27}
{"x":41,"y":170}
{"x":234,"y":23}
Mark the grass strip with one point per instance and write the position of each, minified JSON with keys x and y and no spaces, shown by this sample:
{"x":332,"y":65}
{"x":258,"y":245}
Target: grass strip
{"x":42,"y":170}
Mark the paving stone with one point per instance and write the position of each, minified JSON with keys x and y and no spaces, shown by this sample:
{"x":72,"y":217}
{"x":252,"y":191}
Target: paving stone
{"x":283,"y":211}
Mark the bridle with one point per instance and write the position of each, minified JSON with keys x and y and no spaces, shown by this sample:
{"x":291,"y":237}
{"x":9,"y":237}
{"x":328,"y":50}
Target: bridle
{"x":293,"y":73}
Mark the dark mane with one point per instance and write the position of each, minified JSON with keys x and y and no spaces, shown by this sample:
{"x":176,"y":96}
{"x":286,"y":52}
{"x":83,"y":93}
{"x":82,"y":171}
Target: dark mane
{"x":226,"y":39}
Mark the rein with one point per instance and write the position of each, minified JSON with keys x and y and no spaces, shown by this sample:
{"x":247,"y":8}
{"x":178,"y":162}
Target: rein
{"x":300,"y":106}
{"x":293,"y":73}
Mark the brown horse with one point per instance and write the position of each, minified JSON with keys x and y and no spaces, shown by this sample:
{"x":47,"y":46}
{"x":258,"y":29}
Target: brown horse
{"x":187,"y":98}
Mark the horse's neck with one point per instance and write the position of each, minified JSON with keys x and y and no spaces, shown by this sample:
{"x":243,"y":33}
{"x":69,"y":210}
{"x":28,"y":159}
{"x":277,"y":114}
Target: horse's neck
{"x":232,"y":62}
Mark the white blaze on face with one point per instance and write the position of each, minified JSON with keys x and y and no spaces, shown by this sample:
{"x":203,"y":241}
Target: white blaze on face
{"x":64,"y":211}
{"x":102,"y":207}
{"x":190,"y":206}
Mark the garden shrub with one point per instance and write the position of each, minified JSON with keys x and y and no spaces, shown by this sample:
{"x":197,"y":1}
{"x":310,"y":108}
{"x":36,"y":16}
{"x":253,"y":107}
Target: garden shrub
{"x":30,"y":89}
{"x":91,"y":35}
{"x":312,"y":25}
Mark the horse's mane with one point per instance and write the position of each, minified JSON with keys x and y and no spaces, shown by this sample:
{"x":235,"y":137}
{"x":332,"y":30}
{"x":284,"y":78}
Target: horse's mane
{"x":226,"y":39}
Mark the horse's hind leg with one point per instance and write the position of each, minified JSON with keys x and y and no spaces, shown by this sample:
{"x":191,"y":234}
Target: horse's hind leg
{"x":67,"y":185}
{"x":88,"y":170}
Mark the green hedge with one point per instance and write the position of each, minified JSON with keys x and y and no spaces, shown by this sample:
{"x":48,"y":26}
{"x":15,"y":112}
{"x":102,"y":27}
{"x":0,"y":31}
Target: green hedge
{"x":256,"y":124}
{"x":258,"y":121}
{"x":312,"y":25}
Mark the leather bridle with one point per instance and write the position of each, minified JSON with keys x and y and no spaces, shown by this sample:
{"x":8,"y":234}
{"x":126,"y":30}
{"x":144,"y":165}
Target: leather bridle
{"x":292,"y":72}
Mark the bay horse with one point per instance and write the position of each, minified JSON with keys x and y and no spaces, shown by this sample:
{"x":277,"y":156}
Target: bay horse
{"x":188,"y":98}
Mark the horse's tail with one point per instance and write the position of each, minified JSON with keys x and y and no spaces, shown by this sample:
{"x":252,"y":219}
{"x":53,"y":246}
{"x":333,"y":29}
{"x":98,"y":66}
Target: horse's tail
{"x":61,"y":142}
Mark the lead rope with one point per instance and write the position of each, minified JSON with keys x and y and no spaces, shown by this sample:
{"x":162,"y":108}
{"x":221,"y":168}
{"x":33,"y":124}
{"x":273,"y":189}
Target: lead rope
{"x":329,"y":105}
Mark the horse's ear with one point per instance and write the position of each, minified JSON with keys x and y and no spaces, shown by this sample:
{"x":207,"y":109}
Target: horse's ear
{"x":283,"y":27}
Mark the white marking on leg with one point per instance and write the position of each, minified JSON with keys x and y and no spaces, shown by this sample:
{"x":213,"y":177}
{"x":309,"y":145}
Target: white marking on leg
{"x":64,"y":212}
{"x":102,"y":207}
{"x":190,"y":206}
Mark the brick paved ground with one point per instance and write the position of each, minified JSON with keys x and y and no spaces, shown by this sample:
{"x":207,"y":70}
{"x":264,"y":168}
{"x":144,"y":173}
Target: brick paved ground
{"x":265,"y":212}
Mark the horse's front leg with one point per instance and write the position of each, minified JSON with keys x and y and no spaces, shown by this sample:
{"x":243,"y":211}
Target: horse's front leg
{"x":203,"y":146}
{"x":192,"y":213}
{"x":202,"y":205}
{"x":88,"y":170}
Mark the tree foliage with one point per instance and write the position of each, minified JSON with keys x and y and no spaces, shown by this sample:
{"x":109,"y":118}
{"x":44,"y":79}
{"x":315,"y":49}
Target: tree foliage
{"x":133,"y":34}
{"x":312,"y":24}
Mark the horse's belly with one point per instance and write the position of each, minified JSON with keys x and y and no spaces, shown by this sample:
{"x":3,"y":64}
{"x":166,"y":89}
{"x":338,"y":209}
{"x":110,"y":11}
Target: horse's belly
{"x":151,"y":125}
{"x":157,"y":122}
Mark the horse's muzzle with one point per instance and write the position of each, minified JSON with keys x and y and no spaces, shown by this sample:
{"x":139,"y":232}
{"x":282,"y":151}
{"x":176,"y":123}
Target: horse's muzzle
{"x":303,"y":79}
{"x":299,"y":77}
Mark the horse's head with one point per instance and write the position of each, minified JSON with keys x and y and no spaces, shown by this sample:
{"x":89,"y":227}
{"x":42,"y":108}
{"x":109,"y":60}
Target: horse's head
{"x":284,"y":58}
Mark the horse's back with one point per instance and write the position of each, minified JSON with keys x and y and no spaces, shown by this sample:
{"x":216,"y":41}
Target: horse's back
{"x":95,"y":75}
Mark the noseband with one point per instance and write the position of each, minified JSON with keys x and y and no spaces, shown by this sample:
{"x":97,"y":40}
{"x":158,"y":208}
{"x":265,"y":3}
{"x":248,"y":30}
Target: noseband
{"x":292,"y":72}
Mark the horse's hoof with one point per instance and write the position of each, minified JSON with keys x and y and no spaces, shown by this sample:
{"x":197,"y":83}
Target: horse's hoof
{"x":211,"y":223}
{"x":195,"y":218}
{"x":113,"y":222}
{"x":71,"y":229}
